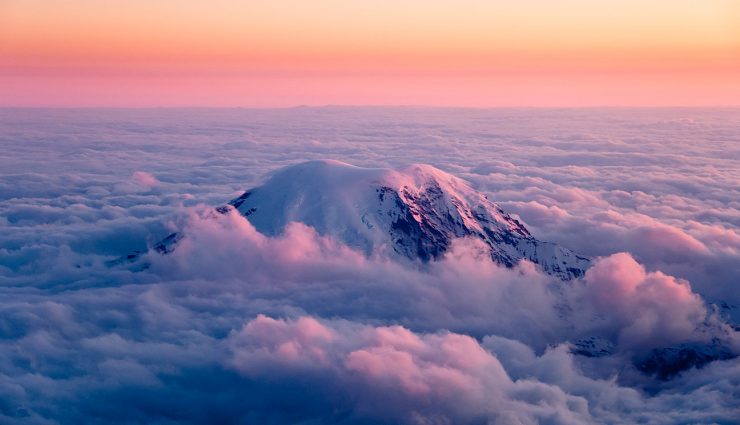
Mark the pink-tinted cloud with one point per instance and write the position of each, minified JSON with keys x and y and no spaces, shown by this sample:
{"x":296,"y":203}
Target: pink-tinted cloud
{"x":649,"y":309}
{"x":144,"y":179}
{"x":442,"y":377}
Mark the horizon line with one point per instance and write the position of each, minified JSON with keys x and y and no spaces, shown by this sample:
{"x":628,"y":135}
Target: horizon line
{"x":360,"y":106}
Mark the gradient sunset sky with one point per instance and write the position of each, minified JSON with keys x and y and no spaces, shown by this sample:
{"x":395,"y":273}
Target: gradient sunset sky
{"x":382,"y":52}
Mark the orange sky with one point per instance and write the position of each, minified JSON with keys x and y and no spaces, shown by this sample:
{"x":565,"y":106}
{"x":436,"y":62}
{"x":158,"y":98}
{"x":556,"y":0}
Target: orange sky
{"x":423,"y":52}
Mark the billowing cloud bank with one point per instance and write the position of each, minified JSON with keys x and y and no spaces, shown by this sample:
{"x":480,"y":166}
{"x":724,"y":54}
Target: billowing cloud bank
{"x":237,"y":327}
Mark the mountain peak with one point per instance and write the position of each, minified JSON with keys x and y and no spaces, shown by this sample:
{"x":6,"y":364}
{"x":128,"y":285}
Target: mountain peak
{"x":414,"y":212}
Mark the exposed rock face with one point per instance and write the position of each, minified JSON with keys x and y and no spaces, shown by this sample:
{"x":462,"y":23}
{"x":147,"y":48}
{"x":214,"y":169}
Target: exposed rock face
{"x":665,"y":363}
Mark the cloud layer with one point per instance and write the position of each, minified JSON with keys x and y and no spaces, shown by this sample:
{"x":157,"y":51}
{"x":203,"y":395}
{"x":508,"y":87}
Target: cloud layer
{"x":237,"y":327}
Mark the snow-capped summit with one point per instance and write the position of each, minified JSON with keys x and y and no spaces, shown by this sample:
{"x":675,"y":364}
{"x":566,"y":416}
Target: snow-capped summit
{"x":415,"y":212}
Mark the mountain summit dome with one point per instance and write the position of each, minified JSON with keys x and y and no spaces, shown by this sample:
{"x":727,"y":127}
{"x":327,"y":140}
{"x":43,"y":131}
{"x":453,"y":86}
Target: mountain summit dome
{"x":415,"y":212}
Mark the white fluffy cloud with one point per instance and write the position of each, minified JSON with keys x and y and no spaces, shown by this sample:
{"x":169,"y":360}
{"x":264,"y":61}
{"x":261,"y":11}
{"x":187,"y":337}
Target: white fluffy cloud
{"x":645,"y":308}
{"x":437,"y":378}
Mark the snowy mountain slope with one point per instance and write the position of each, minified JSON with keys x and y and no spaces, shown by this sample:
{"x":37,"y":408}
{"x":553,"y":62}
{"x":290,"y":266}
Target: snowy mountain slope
{"x":415,"y":212}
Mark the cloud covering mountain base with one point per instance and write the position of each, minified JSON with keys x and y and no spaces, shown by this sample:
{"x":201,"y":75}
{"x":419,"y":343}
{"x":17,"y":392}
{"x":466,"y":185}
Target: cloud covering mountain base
{"x":238,"y":327}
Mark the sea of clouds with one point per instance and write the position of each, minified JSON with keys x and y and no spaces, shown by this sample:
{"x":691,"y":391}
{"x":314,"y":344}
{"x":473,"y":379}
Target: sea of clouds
{"x":237,"y":327}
